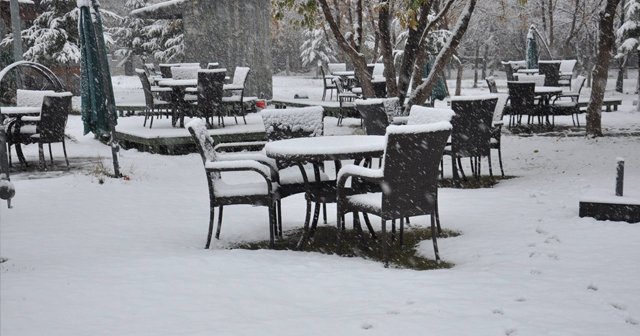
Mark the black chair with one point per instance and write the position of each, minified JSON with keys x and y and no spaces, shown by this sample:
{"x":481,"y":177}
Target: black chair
{"x":153,"y":105}
{"x":496,"y":130}
{"x":566,"y":72}
{"x":374,"y":115}
{"x":491,"y":84}
{"x":346,"y":101}
{"x":471,"y":134}
{"x":222,"y":194}
{"x":328,"y":84}
{"x":46,"y":129}
{"x":521,"y":101}
{"x":291,"y":123}
{"x":210,"y":92}
{"x":551,"y":72}
{"x":236,"y":100}
{"x":408,"y":181}
{"x":563,"y":107}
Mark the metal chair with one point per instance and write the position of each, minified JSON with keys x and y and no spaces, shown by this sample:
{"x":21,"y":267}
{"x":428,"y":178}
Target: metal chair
{"x":559,"y":107}
{"x":210,"y":92}
{"x":521,"y":101}
{"x":566,"y":72}
{"x":45,"y":129}
{"x":328,"y":84}
{"x":222,"y":194}
{"x":154,"y":106}
{"x":551,"y":72}
{"x":408,"y":180}
{"x":236,"y":88}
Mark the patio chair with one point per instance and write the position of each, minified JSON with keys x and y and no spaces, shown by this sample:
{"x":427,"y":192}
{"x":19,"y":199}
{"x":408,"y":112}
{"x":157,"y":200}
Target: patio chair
{"x":566,"y":72}
{"x":511,"y":67}
{"x":346,"y":102}
{"x":209,"y":104}
{"x":560,"y":107}
{"x":471,"y":134}
{"x":496,"y":128}
{"x":328,"y":84}
{"x":419,"y":115}
{"x":374,"y":115}
{"x":185,"y":72}
{"x":408,"y":181}
{"x":45,"y":129}
{"x":236,"y":100}
{"x":153,"y":105}
{"x":291,"y":123}
{"x":221,"y":193}
{"x":538,"y":80}
{"x":491,"y":84}
{"x":551,"y":72}
{"x":521,"y":101}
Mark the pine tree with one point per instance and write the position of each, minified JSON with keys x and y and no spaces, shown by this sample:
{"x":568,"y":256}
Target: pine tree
{"x":53,"y":37}
{"x":165,"y":40}
{"x":629,"y":32}
{"x":316,"y":47}
{"x":129,"y":36}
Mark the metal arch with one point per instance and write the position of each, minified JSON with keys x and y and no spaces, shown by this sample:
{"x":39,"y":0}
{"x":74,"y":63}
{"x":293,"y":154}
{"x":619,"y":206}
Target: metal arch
{"x":43,"y":70}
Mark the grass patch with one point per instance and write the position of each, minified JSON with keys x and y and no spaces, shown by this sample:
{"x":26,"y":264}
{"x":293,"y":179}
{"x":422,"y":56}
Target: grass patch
{"x":472,"y":182}
{"x":324,"y":241}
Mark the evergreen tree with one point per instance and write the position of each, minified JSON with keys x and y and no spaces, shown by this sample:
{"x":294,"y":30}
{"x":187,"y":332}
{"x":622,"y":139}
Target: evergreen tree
{"x":629,"y":32}
{"x":316,"y":47}
{"x":53,"y":37}
{"x":165,"y":40}
{"x":130,"y":35}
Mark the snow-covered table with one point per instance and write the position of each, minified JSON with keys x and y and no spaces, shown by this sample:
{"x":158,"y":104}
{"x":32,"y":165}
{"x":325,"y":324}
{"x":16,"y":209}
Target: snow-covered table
{"x":177,"y":95}
{"x":316,"y":150}
{"x":18,"y":111}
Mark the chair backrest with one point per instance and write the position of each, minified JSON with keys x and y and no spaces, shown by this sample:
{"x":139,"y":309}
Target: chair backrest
{"x":210,"y":91}
{"x":326,"y":81}
{"x":538,"y":80}
{"x":577,"y":84}
{"x":551,"y":72}
{"x":165,"y":70}
{"x":429,"y":115}
{"x":240,"y":75}
{"x":500,"y":105}
{"x":333,"y":67}
{"x":374,"y":115}
{"x":184,"y":72}
{"x":566,"y":66}
{"x":410,"y":169}
{"x":293,"y":122}
{"x":339,"y":85}
{"x":54,"y":115}
{"x":521,"y":94}
{"x":150,"y":68}
{"x":491,"y":83}
{"x":213,"y":65}
{"x":471,"y":133}
{"x":32,"y":98}
{"x":201,"y":138}
{"x":146,"y":87}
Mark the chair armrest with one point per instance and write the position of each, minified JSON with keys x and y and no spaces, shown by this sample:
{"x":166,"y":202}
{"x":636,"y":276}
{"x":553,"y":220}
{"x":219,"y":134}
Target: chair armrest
{"x":161,"y":89}
{"x":191,"y":90}
{"x":253,"y":156}
{"x":240,"y":165}
{"x":498,"y":123}
{"x":368,"y":174}
{"x":30,"y":120}
{"x":239,"y":145}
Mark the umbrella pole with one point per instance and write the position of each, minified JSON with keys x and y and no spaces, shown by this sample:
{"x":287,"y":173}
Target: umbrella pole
{"x":115,"y":148}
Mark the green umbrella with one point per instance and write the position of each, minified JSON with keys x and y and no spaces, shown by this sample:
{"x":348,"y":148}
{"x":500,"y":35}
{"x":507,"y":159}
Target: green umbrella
{"x":98,"y":105}
{"x":532,"y":49}
{"x":439,"y":90}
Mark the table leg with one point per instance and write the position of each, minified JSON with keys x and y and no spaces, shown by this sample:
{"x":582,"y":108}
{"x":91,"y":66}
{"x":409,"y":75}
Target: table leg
{"x":454,"y":170}
{"x":305,"y":231}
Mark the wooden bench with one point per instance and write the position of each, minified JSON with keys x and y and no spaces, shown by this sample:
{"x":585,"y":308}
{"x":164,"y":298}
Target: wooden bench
{"x":610,"y":103}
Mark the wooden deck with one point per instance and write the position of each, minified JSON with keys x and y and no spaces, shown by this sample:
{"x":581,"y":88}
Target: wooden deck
{"x":165,"y":139}
{"x":331,"y":107}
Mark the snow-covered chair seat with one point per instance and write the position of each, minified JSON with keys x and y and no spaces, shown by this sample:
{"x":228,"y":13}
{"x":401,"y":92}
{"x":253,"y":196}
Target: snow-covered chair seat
{"x":408,"y":180}
{"x":234,"y":93}
{"x":428,"y":115}
{"x":221,"y":192}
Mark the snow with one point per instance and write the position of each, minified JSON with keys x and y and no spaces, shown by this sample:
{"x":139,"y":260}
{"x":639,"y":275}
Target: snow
{"x":419,"y":128}
{"x":126,"y":257}
{"x":153,"y":8}
{"x":83,"y":3}
{"x":184,"y":72}
{"x":427,"y":115}
{"x":304,"y":119}
{"x":31,"y":98}
{"x":360,"y":171}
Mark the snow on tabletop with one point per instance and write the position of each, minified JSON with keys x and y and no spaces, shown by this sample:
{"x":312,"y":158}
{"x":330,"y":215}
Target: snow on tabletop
{"x":325,"y":145}
{"x":372,"y":101}
{"x":428,"y":115}
{"x":238,"y":164}
{"x":611,"y":199}
{"x":420,"y":128}
{"x":31,"y":97}
{"x":184,"y":72}
{"x":475,"y":97}
{"x":83,"y":3}
{"x":360,"y":171}
{"x":303,"y":119}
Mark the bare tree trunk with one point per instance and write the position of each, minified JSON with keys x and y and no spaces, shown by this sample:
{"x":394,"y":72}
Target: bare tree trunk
{"x":606,"y":41}
{"x":622,"y":66}
{"x":484,"y":61}
{"x":459,"y":77}
{"x":475,"y":66}
{"x":386,"y":49}
{"x":411,"y":50}
{"x":423,"y":90}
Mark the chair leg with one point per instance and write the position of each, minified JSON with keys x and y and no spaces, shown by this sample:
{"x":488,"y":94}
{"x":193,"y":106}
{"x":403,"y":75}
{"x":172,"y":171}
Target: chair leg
{"x":279,"y":209}
{"x":324,"y":212}
{"x":339,"y":220}
{"x":490,"y":168}
{"x":324,"y":94}
{"x":369,"y":227}
{"x":314,"y":223}
{"x":464,"y":177}
{"x":385,"y":244}
{"x":146,"y":115}
{"x":153,"y":111}
{"x":64,"y":150}
{"x":50,"y":154}
{"x":434,"y":238}
{"x":212,"y":217}
{"x":41,"y":158}
{"x":437,"y":213}
{"x":219,"y":223}
{"x":401,"y":231}
{"x":500,"y":160}
{"x":272,"y":224}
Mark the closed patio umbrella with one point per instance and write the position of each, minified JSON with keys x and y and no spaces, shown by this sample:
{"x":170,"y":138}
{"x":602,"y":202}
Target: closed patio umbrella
{"x":98,"y":104}
{"x":532,"y":49}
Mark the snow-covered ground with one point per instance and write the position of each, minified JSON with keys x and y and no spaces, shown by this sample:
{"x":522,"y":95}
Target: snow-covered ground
{"x":126,"y":257}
